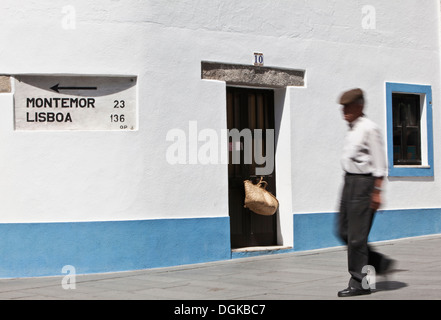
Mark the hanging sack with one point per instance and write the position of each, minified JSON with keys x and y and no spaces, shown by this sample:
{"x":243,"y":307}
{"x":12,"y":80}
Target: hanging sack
{"x":258,"y":199}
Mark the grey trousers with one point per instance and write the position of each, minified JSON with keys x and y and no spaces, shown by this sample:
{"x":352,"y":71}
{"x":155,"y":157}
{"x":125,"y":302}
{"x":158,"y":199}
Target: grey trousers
{"x":354,"y":224}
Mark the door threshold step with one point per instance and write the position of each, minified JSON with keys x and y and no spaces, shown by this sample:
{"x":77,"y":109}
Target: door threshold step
{"x":258,"y":251}
{"x":266,"y":248}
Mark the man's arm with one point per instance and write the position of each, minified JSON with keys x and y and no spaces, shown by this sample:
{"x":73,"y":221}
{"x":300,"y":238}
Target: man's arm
{"x":380,"y":166}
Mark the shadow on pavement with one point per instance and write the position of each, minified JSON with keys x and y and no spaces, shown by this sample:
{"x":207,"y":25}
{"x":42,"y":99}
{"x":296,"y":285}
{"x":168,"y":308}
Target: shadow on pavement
{"x":389,"y":285}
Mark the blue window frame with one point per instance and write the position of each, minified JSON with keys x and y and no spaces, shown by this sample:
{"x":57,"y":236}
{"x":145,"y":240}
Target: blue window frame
{"x":425,"y":169}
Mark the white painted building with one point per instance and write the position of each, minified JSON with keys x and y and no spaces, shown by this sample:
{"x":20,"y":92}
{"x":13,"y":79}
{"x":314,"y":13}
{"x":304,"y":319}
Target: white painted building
{"x":104,"y":193}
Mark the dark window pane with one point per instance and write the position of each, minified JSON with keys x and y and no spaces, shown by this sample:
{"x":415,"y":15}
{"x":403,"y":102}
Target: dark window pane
{"x":406,"y":129}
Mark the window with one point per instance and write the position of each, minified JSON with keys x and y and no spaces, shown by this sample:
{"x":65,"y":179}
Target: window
{"x":409,"y":129}
{"x":406,"y":128}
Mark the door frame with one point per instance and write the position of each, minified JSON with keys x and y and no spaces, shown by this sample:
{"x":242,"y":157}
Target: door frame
{"x":246,"y":227}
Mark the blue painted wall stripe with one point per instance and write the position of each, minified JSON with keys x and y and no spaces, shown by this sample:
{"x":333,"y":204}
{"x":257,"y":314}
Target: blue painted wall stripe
{"x":42,"y":249}
{"x":318,"y":230}
{"x":315,"y":231}
{"x":394,"y":224}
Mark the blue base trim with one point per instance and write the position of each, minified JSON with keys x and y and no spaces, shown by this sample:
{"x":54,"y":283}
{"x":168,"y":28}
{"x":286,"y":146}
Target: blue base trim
{"x":315,"y":231}
{"x":318,"y":230}
{"x":42,"y":249}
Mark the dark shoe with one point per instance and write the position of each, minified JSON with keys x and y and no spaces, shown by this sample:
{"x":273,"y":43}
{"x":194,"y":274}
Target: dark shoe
{"x":350,"y":292}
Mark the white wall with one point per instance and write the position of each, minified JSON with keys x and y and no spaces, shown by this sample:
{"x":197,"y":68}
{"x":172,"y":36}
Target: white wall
{"x":403,"y":48}
{"x":80,"y":176}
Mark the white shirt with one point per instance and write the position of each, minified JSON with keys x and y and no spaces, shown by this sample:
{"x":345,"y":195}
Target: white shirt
{"x":363,"y":150}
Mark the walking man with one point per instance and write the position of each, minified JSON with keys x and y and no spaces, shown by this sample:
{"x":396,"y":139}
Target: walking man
{"x":364,"y":163}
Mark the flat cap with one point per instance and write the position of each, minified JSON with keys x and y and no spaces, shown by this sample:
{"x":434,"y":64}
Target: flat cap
{"x":350,"y":96}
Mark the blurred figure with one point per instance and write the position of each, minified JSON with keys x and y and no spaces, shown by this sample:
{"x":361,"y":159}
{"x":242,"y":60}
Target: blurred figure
{"x":364,"y":163}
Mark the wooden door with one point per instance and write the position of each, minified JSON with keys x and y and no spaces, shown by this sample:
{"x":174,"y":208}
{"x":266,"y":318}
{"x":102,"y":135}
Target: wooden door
{"x":249,"y":109}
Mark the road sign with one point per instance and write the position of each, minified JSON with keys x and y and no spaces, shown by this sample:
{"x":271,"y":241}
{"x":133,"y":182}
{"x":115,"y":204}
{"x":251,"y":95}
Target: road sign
{"x":75,"y":103}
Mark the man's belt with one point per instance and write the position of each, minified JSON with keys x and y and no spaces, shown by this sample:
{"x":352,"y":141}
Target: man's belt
{"x":359,"y":174}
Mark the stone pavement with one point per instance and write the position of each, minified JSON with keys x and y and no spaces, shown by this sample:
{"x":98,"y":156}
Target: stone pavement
{"x":310,"y":275}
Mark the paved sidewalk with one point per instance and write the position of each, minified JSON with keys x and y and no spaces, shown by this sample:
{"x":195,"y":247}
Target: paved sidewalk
{"x":316,"y":275}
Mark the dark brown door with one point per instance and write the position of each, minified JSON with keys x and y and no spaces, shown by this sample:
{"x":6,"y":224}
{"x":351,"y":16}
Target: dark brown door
{"x":249,"y":109}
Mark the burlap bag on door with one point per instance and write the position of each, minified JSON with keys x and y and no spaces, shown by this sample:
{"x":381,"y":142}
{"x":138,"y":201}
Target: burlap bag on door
{"x":258,"y":199}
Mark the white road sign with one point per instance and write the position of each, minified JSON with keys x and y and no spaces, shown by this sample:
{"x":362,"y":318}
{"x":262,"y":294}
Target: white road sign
{"x":75,"y":103}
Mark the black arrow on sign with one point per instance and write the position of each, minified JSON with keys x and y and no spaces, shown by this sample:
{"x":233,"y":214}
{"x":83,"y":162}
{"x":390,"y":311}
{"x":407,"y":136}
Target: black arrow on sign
{"x":57,"y":87}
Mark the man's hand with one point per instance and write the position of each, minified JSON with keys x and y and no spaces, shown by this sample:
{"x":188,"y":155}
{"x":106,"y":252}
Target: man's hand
{"x":375,"y":199}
